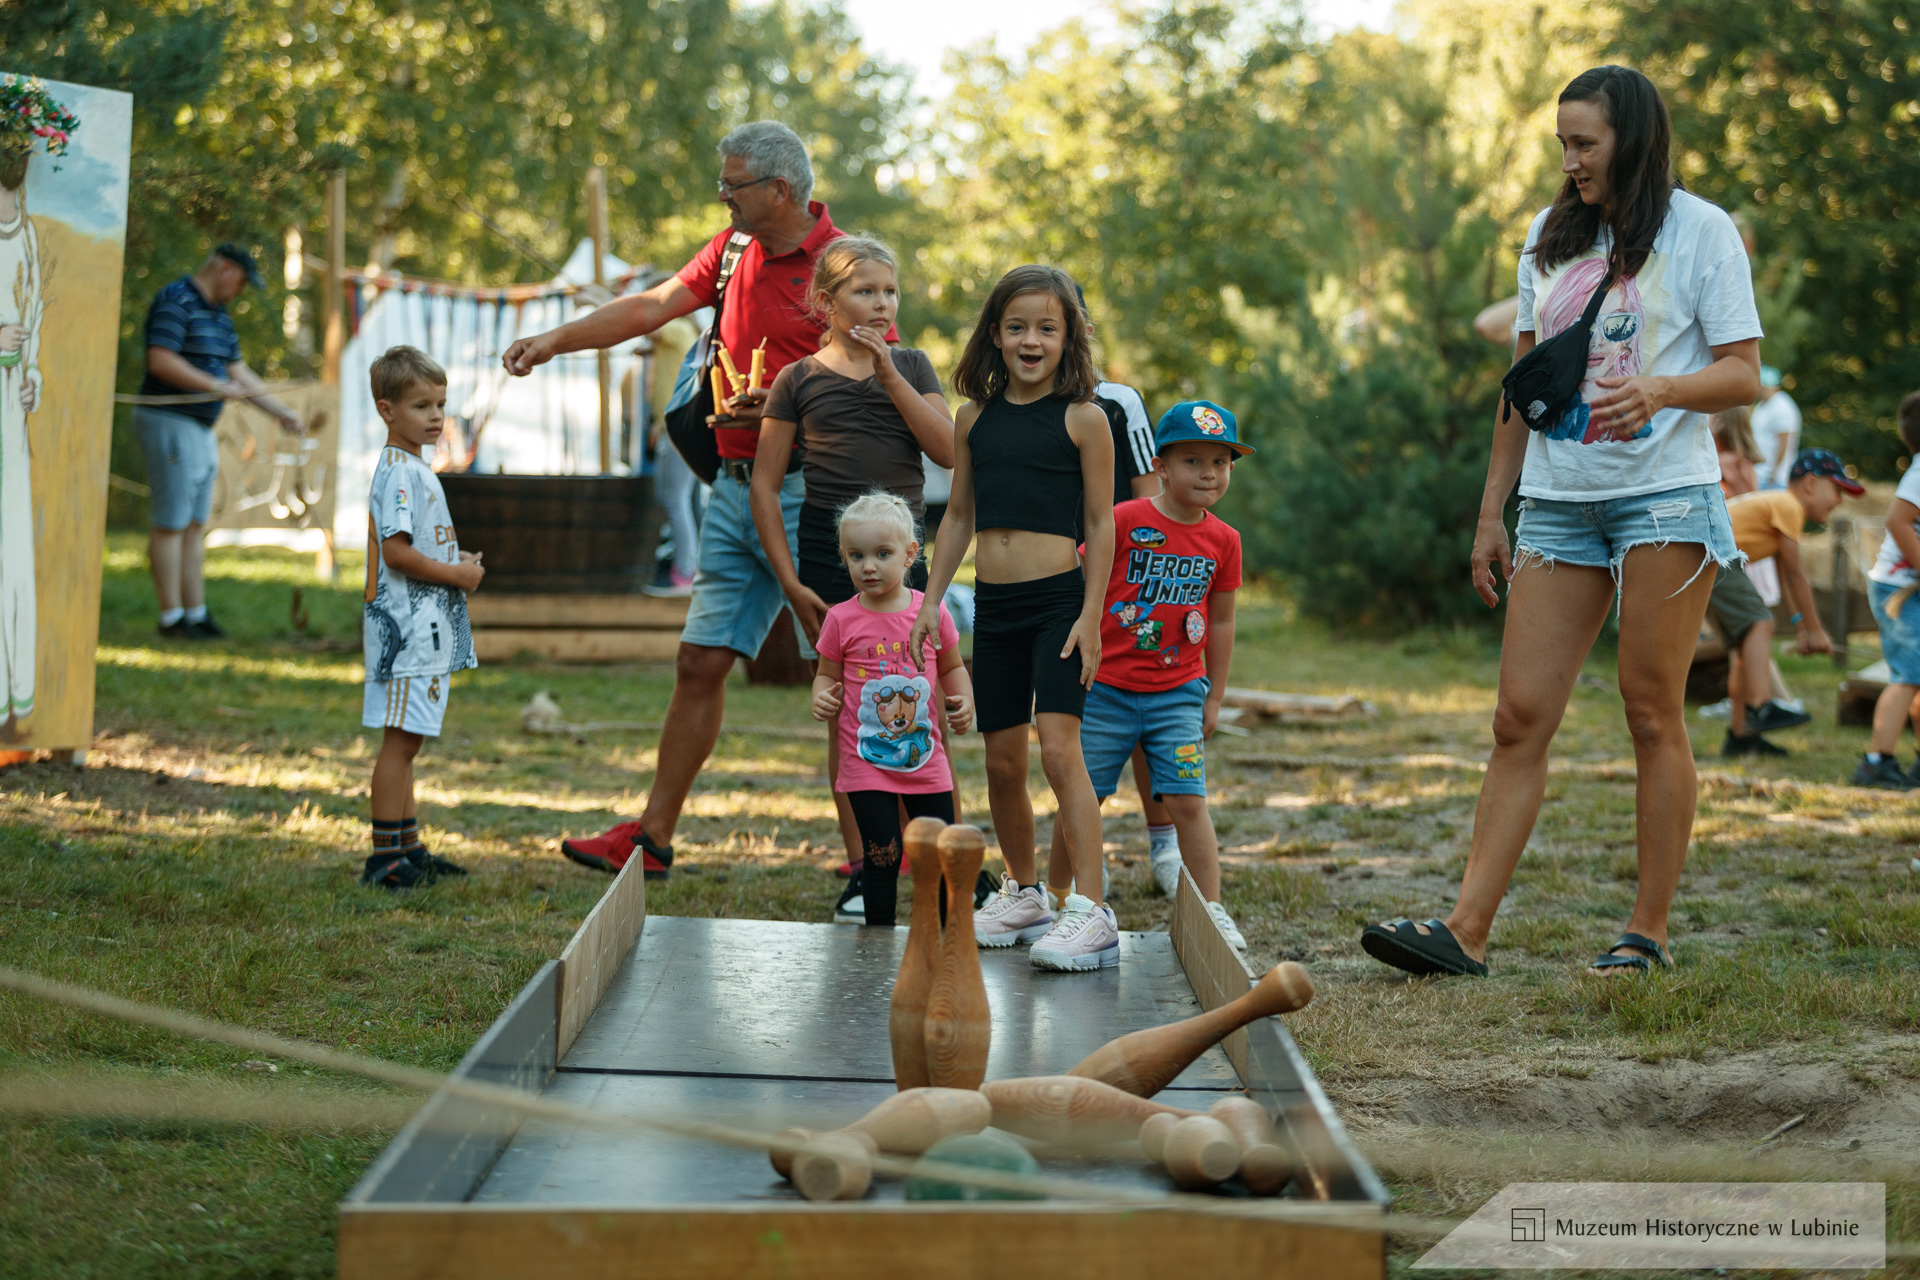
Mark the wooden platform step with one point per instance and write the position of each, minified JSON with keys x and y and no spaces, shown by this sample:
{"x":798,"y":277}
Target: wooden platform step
{"x":576,"y":628}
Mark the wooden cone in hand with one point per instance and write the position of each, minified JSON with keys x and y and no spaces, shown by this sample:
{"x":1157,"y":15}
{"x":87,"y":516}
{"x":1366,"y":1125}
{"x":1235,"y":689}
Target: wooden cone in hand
{"x":959,"y":1026}
{"x":907,"y":1014}
{"x":1070,"y":1109}
{"x":1145,"y":1062}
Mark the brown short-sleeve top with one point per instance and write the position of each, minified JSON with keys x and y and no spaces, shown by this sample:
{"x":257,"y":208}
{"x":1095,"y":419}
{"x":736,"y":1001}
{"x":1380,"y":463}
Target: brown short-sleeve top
{"x":854,"y":436}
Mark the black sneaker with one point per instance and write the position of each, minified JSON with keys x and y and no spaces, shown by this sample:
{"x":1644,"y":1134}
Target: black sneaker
{"x":1885,"y":773}
{"x":1770,"y":717}
{"x":1750,"y":744}
{"x":852,"y":907}
{"x":178,"y":629}
{"x":433,"y":865}
{"x":206,"y":629}
{"x":393,"y":872}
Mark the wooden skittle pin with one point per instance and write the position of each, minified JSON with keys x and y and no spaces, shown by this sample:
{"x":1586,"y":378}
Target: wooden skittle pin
{"x":1070,"y":1109}
{"x":907,"y":1012}
{"x":959,"y":1026}
{"x":1145,"y":1062}
{"x":908,"y":1123}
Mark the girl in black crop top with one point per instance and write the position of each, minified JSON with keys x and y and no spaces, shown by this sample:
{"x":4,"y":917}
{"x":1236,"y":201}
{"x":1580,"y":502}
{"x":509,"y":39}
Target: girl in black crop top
{"x":1033,"y":467}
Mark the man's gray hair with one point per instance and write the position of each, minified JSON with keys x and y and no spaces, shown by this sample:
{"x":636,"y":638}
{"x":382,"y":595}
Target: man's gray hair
{"x":772,"y":150}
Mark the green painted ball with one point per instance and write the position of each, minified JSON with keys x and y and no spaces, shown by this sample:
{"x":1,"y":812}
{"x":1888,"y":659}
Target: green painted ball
{"x":975,"y":1151}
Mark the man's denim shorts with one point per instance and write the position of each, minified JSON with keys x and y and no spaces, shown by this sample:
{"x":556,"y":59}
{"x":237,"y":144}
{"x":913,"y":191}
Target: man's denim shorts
{"x":1598,"y":535}
{"x":735,"y":595}
{"x":1166,"y":724}
{"x":183,"y":461}
{"x":1899,"y":637}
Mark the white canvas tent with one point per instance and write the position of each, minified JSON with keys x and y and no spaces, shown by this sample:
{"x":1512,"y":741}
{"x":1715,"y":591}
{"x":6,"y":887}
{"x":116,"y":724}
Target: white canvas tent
{"x":547,"y":423}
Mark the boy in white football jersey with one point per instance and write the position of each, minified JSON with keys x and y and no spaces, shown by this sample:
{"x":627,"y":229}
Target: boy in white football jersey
{"x":417,"y":634}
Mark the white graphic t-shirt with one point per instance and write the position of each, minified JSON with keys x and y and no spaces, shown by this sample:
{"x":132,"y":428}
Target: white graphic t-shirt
{"x":412,"y":628}
{"x":1890,"y":566}
{"x":1695,"y":292}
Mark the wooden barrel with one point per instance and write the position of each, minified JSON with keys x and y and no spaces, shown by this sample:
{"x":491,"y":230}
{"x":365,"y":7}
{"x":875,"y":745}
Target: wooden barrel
{"x":557,"y":534}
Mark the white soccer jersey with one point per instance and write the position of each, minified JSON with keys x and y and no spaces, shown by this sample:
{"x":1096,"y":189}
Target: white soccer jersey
{"x":412,"y":628}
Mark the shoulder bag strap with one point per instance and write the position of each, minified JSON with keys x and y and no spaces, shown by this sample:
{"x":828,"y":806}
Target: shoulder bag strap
{"x":729,"y":259}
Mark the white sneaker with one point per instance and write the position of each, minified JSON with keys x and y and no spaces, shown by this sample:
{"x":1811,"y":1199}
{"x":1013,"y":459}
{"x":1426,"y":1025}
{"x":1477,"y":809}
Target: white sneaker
{"x":1166,"y":871}
{"x":1012,"y":915}
{"x":1228,"y":929}
{"x":1720,"y":710}
{"x":1794,"y":705}
{"x":852,"y":911}
{"x":1084,"y":937}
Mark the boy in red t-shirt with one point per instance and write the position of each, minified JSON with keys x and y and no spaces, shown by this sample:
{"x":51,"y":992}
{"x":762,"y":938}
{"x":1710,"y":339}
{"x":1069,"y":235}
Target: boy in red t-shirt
{"x":1167,"y":639}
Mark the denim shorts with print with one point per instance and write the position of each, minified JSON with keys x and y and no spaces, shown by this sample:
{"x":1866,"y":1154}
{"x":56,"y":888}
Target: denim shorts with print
{"x":1598,"y":535}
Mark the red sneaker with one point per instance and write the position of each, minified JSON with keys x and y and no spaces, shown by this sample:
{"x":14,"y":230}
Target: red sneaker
{"x":610,"y":851}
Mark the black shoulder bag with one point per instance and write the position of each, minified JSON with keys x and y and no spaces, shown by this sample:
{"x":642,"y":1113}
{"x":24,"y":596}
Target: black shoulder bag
{"x":1544,"y":383}
{"x":687,"y":426}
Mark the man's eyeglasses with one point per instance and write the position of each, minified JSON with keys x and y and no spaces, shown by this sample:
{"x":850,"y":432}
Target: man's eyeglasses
{"x":728,"y":188}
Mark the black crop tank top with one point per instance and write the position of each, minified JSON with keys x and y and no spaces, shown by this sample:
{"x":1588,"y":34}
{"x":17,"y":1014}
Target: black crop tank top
{"x":1026,"y":468}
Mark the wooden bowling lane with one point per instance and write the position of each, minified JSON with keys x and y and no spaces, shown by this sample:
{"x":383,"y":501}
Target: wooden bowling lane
{"x":548,"y":1163}
{"x":782,"y":1000}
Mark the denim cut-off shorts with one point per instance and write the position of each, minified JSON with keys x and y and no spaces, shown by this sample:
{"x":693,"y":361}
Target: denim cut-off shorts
{"x":1899,"y":636}
{"x":1598,"y":535}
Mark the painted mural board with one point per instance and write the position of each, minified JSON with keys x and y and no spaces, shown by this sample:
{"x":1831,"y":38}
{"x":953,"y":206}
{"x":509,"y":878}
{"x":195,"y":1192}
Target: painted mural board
{"x":63,"y":221}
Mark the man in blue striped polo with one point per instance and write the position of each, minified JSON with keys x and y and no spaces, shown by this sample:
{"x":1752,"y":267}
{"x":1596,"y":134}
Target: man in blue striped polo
{"x":192,"y":350}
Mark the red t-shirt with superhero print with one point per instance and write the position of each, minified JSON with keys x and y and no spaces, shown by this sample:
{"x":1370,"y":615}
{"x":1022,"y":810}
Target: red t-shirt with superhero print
{"x":1153,"y":636}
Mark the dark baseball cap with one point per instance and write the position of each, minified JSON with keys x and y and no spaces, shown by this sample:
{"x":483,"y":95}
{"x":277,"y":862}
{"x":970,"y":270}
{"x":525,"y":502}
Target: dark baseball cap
{"x":1201,"y":420}
{"x":1825,"y":462}
{"x":241,"y":258}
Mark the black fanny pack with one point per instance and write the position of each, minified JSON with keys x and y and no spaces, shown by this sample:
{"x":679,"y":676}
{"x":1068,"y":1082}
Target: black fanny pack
{"x":1544,"y":383}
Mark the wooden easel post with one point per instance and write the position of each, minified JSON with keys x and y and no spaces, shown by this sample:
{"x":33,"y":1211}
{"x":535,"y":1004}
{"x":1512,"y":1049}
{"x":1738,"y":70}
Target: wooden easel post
{"x":335,"y":342}
{"x":597,"y":229}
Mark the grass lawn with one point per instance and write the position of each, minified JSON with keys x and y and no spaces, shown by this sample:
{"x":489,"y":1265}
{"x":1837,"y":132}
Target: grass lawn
{"x":205,"y":860}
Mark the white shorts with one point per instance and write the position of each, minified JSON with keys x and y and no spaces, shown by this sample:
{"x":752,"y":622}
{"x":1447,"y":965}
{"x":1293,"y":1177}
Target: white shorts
{"x":417,"y":704}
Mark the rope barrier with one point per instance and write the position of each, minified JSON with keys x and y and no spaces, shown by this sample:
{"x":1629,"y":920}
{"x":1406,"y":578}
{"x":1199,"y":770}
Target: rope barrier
{"x":24,"y":1093}
{"x":208,"y":397}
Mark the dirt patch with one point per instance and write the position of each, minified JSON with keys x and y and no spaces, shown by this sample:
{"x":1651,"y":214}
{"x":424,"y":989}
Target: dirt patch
{"x":1735,"y":1099}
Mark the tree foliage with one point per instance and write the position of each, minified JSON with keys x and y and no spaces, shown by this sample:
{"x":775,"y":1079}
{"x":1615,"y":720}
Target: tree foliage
{"x":1802,"y":113}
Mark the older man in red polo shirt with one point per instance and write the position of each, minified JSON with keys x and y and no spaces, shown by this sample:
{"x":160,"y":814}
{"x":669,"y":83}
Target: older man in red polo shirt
{"x":765,"y":181}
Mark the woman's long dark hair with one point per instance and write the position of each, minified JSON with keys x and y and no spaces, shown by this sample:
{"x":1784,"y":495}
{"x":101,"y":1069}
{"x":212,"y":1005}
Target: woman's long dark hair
{"x":982,"y":373}
{"x":1641,"y":175}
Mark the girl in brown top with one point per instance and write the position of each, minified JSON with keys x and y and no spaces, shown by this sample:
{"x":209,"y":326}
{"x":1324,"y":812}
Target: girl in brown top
{"x":864,"y":412}
{"x":1033,"y":466}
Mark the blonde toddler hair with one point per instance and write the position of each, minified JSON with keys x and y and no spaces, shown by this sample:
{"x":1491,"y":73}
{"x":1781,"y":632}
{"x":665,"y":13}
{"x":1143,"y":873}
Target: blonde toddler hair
{"x":399,"y":369}
{"x":877,"y":506}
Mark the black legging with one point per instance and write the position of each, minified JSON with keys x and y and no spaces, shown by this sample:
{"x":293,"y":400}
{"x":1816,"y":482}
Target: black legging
{"x":878,"y":816}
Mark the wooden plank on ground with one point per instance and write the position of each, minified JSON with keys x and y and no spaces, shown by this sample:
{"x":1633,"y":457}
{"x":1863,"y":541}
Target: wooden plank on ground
{"x":641,"y":613}
{"x":849,"y":1241}
{"x":1293,"y":708}
{"x":597,"y":948}
{"x":497,"y":644}
{"x":1214,"y":969}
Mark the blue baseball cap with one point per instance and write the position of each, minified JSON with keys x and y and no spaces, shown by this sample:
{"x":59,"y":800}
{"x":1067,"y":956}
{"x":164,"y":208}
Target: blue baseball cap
{"x":1201,"y":420}
{"x":1825,"y":462}
{"x":1769,"y":376}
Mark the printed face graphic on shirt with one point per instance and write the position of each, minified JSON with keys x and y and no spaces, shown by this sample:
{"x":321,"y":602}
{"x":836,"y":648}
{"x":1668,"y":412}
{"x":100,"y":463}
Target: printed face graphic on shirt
{"x":1614,"y":350}
{"x":1147,"y":636}
{"x":896,"y":722}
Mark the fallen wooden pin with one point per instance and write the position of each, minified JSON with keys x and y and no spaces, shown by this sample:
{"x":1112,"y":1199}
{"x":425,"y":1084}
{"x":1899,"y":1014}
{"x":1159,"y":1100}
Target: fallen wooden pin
{"x":1266,"y":706}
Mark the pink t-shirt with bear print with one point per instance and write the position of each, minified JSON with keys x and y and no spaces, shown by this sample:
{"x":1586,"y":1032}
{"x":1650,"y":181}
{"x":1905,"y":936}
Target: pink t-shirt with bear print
{"x":890,"y":739}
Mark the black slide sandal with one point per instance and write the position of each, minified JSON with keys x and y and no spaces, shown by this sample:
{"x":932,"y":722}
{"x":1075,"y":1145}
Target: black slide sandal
{"x":1660,"y":958}
{"x":1399,"y":944}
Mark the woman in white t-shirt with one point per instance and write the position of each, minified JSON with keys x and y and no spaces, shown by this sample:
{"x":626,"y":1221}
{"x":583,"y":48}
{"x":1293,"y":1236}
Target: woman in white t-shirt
{"x":1620,"y":497}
